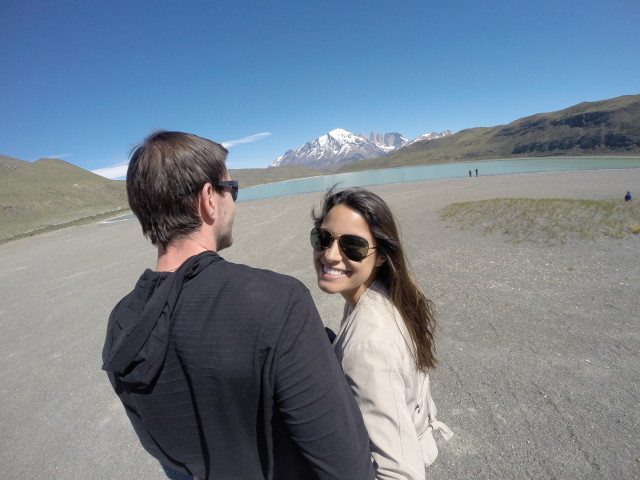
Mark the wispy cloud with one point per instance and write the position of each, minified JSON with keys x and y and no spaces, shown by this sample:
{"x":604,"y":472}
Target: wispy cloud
{"x":113,"y":172}
{"x":249,"y":139}
{"x":118,"y":171}
{"x":61,"y":156}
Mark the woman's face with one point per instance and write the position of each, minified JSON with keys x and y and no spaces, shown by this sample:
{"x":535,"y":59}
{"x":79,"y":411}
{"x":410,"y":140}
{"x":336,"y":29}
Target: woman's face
{"x":336,"y":272}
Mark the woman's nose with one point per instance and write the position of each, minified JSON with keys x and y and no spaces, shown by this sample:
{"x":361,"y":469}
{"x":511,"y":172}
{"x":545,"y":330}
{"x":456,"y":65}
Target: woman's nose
{"x":333,"y":253}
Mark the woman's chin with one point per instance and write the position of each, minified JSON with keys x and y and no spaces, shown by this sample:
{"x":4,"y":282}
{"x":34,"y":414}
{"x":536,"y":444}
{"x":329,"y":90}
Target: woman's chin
{"x":327,"y":288}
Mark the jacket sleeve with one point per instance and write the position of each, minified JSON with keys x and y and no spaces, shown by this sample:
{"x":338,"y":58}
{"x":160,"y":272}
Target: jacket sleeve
{"x":376,"y":379}
{"x":315,"y":401}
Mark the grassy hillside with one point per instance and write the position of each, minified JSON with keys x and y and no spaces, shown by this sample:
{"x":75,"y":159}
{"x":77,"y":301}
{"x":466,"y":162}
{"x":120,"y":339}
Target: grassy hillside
{"x":10,"y":164}
{"x":49,"y":193}
{"x":608,"y":127}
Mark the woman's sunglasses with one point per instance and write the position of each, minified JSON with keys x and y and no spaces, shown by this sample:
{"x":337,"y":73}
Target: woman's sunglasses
{"x":354,"y":247}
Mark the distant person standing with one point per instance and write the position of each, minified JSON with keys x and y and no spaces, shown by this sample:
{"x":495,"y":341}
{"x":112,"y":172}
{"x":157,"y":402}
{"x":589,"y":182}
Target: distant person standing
{"x":470,"y":174}
{"x":476,"y":172}
{"x":224,"y":370}
{"x":627,"y":197}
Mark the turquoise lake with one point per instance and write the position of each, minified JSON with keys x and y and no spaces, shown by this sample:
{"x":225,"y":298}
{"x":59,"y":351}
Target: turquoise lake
{"x":427,"y":172}
{"x":432,"y":172}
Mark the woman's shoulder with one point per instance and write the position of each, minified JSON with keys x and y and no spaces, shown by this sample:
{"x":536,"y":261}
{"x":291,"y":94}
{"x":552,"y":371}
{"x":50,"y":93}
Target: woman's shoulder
{"x":376,"y":322}
{"x":376,"y":297}
{"x":374,"y":310}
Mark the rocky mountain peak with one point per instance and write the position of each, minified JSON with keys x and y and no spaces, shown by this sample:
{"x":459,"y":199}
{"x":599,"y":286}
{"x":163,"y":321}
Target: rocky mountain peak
{"x":340,"y":146}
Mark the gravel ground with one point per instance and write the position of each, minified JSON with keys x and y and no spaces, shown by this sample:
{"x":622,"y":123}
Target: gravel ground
{"x":539,"y":346}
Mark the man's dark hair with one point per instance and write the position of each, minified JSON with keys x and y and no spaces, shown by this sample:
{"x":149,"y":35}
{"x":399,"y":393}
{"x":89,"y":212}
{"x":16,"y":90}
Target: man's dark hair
{"x":165,"y":175}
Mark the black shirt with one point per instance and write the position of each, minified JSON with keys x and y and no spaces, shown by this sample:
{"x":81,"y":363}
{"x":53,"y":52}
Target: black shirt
{"x":226,"y":372}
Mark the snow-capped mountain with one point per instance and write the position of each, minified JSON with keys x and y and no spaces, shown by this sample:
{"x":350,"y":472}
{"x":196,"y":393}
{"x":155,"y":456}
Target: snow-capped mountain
{"x":430,"y":136}
{"x":337,"y":147}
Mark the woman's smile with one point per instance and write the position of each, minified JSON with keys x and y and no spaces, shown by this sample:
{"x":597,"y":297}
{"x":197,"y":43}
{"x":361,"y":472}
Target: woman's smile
{"x":334,"y":272}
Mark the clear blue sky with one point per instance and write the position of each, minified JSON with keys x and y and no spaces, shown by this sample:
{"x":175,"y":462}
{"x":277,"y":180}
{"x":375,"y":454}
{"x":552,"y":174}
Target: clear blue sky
{"x":86,"y":80}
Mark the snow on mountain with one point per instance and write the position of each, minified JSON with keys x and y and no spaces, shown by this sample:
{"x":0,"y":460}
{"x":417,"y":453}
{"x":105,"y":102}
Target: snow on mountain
{"x":332,"y":149}
{"x":339,"y":146}
{"x":430,"y":136}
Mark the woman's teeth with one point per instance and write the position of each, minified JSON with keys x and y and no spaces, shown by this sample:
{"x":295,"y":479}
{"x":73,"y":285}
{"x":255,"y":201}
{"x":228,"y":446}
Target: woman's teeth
{"x":333,"y":272}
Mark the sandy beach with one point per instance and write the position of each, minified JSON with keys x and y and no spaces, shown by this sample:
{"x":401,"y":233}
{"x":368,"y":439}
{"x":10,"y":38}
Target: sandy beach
{"x":539,"y":346}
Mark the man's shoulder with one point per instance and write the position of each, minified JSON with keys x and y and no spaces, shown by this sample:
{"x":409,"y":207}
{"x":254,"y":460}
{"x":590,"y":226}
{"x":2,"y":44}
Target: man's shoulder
{"x":257,"y":282}
{"x":261,"y":274}
{"x":257,"y":293}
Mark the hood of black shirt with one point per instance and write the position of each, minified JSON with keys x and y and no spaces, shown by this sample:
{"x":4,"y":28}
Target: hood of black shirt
{"x":139,"y":326}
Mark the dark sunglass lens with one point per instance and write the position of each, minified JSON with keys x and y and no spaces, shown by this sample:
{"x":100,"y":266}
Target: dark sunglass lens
{"x":320,"y":239}
{"x":354,"y":247}
{"x":317,"y":239}
{"x":326,"y":238}
{"x":314,"y":238}
{"x":234,"y":193}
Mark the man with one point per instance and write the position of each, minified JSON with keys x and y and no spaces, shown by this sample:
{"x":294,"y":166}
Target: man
{"x":225,"y":371}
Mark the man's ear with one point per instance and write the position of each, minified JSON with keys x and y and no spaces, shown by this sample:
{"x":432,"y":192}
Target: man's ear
{"x":207,"y":202}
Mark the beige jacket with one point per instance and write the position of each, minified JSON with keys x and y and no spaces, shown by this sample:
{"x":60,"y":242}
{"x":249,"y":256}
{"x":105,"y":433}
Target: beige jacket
{"x":376,"y":352}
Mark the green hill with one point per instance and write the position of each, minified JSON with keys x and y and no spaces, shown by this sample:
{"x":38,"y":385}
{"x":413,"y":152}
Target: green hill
{"x":604,"y":128}
{"x":50,"y":193}
{"x":9,"y":165}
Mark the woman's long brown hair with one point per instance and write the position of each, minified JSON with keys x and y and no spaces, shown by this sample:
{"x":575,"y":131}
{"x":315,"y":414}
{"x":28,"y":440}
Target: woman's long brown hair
{"x":416,"y":309}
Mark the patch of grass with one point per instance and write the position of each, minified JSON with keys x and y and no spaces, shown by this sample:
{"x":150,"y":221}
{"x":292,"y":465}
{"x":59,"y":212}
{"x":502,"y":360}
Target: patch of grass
{"x":550,"y":221}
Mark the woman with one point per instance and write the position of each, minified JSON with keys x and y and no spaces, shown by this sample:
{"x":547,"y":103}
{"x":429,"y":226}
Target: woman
{"x":386,"y":339}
